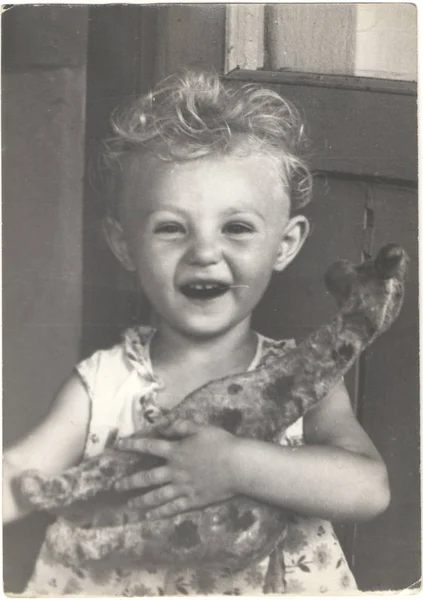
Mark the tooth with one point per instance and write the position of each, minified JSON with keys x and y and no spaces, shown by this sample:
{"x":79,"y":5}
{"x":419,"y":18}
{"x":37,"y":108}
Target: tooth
{"x":204,"y":286}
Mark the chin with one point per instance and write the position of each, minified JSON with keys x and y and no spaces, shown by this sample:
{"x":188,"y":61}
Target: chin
{"x":204,"y":330}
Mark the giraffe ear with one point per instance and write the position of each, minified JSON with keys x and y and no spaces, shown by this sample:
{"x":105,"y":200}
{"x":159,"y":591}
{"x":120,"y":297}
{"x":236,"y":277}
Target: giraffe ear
{"x":339,"y":279}
{"x":391,"y":261}
{"x":116,"y":239}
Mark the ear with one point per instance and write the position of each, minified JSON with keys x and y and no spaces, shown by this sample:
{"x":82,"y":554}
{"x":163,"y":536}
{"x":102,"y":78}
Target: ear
{"x":117,"y":241}
{"x":293,"y":237}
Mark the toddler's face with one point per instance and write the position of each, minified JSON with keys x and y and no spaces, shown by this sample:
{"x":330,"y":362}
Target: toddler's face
{"x":204,"y":237}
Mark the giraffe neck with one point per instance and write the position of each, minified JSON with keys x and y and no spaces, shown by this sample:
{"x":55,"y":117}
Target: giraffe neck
{"x":321,"y":360}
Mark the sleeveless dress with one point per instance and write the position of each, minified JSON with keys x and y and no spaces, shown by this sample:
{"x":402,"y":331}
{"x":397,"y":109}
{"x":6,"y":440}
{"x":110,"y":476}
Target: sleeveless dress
{"x":122,"y":387}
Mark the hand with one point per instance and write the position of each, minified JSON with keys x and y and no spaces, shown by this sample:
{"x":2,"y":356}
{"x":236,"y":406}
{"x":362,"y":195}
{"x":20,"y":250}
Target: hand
{"x":198,"y":470}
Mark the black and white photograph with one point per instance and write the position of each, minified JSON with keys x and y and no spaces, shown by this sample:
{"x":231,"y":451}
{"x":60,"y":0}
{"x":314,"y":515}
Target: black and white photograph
{"x":210,"y":299}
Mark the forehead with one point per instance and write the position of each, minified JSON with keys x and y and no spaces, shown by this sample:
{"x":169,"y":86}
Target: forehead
{"x":250,"y":175}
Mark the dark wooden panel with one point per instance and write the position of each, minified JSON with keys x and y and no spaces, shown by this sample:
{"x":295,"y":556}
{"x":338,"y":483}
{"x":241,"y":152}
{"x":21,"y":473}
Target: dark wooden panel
{"x":362,"y":131}
{"x":119,"y":35}
{"x":341,"y":81}
{"x":387,"y":551}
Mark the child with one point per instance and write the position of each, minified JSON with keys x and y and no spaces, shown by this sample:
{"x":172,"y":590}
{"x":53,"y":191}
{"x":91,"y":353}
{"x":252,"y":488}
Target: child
{"x":206,"y":182}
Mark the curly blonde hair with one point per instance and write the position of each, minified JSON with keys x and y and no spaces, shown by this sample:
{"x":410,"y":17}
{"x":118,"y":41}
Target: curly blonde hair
{"x":196,"y":114}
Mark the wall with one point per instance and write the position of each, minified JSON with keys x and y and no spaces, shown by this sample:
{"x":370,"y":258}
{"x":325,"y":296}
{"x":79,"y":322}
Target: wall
{"x":386,"y":41}
{"x":367,"y":39}
{"x":43,"y":100}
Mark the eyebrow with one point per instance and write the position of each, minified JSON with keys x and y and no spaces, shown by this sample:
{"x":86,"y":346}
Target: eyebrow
{"x":239,"y":211}
{"x":164,"y":209}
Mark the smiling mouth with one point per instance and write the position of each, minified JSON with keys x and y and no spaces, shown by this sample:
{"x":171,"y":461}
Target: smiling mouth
{"x":204,"y":291}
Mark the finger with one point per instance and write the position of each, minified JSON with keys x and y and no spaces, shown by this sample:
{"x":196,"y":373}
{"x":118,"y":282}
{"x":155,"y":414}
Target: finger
{"x":179,"y":428}
{"x":162,"y":448}
{"x":164,"y":421}
{"x":156,"y":497}
{"x":171,"y":509}
{"x":145,"y":479}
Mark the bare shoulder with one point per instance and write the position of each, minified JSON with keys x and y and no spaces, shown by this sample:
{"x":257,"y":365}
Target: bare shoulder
{"x":333,"y":422}
{"x":59,"y":440}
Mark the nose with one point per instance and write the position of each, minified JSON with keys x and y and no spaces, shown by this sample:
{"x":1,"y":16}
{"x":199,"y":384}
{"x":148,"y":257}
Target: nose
{"x":204,"y":249}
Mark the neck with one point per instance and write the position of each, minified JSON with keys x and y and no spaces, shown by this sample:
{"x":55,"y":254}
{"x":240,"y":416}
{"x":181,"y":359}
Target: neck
{"x":233,"y":349}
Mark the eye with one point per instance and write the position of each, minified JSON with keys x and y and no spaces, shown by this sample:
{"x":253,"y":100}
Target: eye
{"x":169,"y":228}
{"x":238,"y":228}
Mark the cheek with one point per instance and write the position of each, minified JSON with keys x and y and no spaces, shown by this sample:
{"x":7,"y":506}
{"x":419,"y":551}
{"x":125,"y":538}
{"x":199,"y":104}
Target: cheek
{"x":257,"y":263}
{"x":256,"y":277}
{"x":156,"y":267}
{"x":151,"y":269}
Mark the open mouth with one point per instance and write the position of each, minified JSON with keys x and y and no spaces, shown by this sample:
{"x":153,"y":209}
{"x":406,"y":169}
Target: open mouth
{"x":204,"y":290}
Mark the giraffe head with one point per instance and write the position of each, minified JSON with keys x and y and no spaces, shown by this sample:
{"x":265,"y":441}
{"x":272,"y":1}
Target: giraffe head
{"x":370,"y":295}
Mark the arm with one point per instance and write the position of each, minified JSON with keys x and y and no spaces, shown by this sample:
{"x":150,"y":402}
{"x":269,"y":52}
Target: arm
{"x":338,"y":474}
{"x":54,"y":445}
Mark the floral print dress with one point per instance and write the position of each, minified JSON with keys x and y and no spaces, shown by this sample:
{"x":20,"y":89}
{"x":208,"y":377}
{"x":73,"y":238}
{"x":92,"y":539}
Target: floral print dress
{"x":122,"y":387}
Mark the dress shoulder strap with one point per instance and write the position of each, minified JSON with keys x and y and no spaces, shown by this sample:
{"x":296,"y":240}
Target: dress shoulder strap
{"x":115,"y":380}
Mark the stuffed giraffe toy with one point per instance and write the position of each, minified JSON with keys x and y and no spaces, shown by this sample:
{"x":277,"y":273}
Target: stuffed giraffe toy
{"x":98,"y":523}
